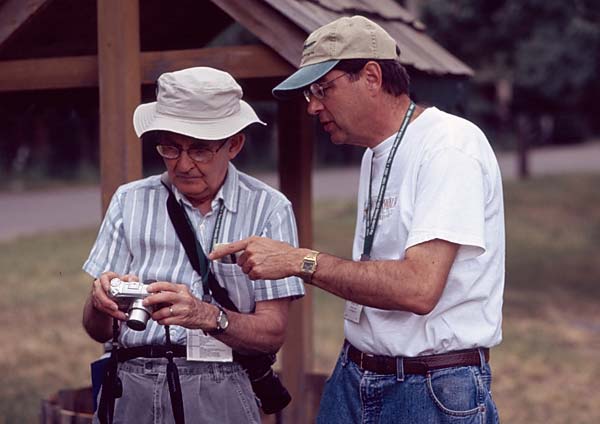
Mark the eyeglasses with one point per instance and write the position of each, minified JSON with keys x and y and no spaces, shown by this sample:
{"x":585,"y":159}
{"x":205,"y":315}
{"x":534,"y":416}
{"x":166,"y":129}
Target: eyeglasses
{"x":318,"y":90}
{"x":197,"y":154}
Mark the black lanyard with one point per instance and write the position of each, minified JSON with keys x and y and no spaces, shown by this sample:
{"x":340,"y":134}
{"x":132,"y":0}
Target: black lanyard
{"x":204,"y":267}
{"x":372,"y":219}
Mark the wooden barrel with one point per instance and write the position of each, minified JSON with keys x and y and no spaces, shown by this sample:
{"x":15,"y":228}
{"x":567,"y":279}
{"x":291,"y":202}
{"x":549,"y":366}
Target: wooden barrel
{"x":69,"y":406}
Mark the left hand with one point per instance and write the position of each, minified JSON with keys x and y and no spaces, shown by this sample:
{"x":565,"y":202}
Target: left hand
{"x":177,"y":306}
{"x":263,"y":258}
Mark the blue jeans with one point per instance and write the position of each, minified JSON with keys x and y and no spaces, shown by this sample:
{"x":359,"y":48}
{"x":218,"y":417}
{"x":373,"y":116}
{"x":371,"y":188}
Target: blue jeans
{"x":448,"y":395}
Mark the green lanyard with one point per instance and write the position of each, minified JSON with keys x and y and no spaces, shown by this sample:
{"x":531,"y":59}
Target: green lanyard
{"x":373,"y":218}
{"x":217,"y":229}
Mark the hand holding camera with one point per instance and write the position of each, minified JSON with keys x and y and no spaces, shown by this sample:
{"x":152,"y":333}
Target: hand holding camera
{"x":129,"y":296}
{"x":100,"y":299}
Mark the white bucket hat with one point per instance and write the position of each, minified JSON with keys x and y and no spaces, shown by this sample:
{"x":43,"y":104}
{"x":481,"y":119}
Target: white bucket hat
{"x":200,"y":102}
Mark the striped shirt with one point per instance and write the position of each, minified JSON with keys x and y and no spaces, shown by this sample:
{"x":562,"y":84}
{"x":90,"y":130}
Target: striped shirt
{"x":137,"y":237}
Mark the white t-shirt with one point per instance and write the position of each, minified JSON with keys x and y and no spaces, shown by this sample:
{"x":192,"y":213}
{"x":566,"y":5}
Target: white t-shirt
{"x":445,"y":184}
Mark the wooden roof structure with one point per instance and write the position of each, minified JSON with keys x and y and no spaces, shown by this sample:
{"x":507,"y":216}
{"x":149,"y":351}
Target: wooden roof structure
{"x":119,"y":46}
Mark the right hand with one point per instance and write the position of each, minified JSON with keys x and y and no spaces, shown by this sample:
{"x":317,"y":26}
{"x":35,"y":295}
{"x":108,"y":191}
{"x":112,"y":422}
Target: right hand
{"x":99,"y":295}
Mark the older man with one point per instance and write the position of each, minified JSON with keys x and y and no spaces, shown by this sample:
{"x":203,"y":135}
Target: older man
{"x":196,"y":124}
{"x":424,"y":292}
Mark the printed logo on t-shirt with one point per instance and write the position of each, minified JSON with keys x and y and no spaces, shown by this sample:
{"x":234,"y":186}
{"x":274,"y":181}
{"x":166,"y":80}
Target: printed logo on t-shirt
{"x":389,"y":204}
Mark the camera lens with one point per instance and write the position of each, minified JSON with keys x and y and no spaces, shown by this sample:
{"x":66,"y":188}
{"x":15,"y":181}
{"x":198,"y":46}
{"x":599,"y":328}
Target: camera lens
{"x":138,"y":316}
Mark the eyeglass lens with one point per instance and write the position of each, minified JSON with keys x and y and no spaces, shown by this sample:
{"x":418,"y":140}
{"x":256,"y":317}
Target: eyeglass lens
{"x":197,"y":154}
{"x":318,"y":89}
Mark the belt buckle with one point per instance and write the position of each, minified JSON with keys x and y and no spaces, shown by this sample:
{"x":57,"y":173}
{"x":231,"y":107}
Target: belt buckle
{"x":362,"y":357}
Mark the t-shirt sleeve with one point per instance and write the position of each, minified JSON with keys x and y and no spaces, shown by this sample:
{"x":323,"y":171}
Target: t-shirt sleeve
{"x":450,"y":203}
{"x":281,"y":226}
{"x":110,"y":251}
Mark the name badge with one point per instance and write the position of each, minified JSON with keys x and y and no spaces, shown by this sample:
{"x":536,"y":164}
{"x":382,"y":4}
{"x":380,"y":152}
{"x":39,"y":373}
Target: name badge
{"x":352,"y":311}
{"x":205,"y":348}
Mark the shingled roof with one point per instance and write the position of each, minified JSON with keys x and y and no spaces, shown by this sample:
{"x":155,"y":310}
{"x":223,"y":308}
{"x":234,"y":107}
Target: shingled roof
{"x":69,"y":27}
{"x":418,"y":49}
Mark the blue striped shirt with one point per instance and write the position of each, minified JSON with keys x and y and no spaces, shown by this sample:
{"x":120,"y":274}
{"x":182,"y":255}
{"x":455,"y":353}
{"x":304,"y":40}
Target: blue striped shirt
{"x":137,"y":237}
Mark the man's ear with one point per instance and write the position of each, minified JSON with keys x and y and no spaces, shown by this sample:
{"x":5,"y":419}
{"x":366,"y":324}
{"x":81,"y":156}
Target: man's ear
{"x":373,"y":76}
{"x":236,"y":143}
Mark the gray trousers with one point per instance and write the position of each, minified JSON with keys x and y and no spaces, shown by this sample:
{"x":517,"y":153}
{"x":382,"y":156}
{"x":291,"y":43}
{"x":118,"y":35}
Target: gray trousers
{"x":212,"y":393}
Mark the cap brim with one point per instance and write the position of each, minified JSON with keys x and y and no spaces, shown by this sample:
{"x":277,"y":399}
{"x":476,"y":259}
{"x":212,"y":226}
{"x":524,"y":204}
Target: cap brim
{"x":147,"y":118}
{"x":301,"y":78}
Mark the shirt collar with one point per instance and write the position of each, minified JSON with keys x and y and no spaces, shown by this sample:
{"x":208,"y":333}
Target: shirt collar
{"x":228,"y":191}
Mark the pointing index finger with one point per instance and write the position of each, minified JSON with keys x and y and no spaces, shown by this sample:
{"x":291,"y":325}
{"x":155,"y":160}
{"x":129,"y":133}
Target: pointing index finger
{"x":224,"y":249}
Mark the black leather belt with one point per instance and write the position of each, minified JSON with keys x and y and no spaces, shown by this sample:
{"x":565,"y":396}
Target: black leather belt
{"x":417,"y":365}
{"x":150,"y":351}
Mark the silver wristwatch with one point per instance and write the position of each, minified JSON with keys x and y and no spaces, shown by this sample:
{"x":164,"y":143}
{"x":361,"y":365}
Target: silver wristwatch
{"x":222,"y":322}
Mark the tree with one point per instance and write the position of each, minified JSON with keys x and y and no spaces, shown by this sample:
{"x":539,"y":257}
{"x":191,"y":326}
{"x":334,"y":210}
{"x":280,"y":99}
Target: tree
{"x":548,"y":51}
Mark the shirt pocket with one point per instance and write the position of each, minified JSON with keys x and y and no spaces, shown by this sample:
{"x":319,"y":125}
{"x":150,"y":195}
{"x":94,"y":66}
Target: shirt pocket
{"x":239,"y":287}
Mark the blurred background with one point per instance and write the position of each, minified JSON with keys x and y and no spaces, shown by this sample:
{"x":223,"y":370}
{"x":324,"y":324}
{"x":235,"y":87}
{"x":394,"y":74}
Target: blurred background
{"x":533,"y":92}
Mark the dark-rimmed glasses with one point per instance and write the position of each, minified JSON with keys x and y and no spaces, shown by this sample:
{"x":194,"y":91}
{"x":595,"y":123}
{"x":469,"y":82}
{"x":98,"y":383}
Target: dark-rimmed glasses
{"x":318,"y":89}
{"x":197,"y":154}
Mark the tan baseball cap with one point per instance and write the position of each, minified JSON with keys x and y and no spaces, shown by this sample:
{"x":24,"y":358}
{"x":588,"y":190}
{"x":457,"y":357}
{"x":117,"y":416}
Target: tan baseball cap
{"x":353,"y":37}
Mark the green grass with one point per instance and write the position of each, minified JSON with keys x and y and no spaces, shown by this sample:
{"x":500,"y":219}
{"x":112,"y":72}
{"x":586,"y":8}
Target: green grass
{"x":546,"y":370}
{"x":44,"y":347}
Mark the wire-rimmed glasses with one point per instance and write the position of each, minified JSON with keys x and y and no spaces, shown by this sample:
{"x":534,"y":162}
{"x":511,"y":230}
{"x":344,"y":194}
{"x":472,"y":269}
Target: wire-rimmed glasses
{"x":196,"y":153}
{"x":318,"y":89}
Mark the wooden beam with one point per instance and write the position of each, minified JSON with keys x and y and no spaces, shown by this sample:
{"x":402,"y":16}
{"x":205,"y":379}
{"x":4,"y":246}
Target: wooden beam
{"x":296,"y":135}
{"x":253,"y":61}
{"x":44,"y":74}
{"x":14,"y":14}
{"x":119,"y":87}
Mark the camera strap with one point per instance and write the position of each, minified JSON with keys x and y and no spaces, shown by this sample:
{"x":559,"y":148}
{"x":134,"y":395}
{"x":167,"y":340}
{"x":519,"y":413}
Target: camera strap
{"x":111,"y":384}
{"x":173,"y":382}
{"x":258,"y":367}
{"x":194,"y":251}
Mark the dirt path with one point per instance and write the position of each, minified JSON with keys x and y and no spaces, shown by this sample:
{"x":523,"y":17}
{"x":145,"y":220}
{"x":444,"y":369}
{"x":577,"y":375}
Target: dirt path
{"x":29,"y":213}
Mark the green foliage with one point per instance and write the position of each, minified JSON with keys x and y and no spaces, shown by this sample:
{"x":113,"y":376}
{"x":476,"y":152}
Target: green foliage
{"x":548,"y":49}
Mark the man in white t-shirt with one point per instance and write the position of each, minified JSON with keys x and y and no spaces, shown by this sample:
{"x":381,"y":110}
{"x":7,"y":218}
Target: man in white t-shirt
{"x":424,"y":291}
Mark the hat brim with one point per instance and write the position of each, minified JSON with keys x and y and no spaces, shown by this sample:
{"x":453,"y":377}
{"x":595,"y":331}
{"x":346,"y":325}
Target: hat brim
{"x":301,"y":78}
{"x":147,"y":118}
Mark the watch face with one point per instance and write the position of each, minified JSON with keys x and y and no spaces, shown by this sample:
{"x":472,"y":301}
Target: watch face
{"x":223,"y":320}
{"x":308,"y":266}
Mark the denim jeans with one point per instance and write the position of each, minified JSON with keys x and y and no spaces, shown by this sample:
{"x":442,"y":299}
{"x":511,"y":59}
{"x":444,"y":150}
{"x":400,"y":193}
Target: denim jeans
{"x":448,"y":395}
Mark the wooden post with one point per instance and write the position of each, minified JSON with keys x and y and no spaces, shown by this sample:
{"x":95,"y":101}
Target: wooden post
{"x":119,"y":74}
{"x":296,"y":138}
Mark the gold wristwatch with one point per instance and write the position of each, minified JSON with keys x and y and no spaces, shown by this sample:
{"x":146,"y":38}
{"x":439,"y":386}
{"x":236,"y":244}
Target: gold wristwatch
{"x":309,"y":265}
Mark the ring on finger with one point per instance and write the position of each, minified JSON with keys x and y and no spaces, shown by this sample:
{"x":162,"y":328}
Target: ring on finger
{"x":171,"y":310}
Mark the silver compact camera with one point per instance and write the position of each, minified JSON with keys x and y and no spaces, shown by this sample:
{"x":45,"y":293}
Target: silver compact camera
{"x":129,"y":295}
